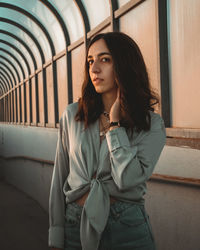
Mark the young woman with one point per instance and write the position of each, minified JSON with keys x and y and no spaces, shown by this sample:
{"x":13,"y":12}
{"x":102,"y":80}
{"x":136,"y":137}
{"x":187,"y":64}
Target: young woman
{"x":108,"y":145}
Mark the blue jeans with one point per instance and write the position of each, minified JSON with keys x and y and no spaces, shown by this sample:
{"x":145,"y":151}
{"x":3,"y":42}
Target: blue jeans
{"x":128,"y":228}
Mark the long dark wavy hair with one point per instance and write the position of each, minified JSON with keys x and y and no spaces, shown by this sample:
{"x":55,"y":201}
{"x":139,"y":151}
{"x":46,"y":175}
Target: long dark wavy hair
{"x":136,"y":95}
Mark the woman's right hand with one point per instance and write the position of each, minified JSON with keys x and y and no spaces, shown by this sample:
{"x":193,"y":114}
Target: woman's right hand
{"x":115,"y":109}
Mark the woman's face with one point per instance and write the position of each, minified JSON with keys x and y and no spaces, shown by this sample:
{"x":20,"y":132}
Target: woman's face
{"x":101,"y":69}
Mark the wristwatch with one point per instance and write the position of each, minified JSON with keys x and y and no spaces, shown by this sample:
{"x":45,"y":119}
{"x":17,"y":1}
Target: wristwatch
{"x":112,"y":124}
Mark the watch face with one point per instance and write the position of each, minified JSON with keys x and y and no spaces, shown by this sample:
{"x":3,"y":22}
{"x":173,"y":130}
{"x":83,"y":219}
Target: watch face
{"x":114,"y":124}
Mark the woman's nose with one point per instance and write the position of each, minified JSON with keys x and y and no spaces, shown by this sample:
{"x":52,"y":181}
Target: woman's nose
{"x":95,"y":67}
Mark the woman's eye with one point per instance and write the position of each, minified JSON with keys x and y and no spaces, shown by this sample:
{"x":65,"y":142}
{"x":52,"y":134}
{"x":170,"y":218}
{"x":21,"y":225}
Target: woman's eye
{"x":105,"y":59}
{"x":90,"y":62}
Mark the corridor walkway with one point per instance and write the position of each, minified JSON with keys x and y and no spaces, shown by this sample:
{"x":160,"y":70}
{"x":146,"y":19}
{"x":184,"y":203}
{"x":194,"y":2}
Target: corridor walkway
{"x":23,"y":223}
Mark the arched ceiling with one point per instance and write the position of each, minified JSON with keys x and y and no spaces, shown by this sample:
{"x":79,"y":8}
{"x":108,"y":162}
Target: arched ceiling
{"x":33,"y":32}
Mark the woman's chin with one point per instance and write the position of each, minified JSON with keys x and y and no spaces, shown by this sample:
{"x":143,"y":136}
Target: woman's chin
{"x":99,"y":90}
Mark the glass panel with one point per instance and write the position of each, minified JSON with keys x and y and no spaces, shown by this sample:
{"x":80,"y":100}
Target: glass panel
{"x":17,"y":44}
{"x":97,"y":11}
{"x":141,"y":24}
{"x":16,"y":66}
{"x":22,"y":35}
{"x":184,"y":19}
{"x":33,"y":100}
{"x":10,"y":103}
{"x":18,"y":105}
{"x":11,"y":107}
{"x":22,"y":101}
{"x":6,"y":81}
{"x":78,"y":59}
{"x":4,"y":104}
{"x":48,"y":19}
{"x":15,"y":54}
{"x":1,"y":110}
{"x":62,"y":85}
{"x":8,"y":107}
{"x":27,"y":102}
{"x":8,"y":72}
{"x":33,"y":48}
{"x":122,"y":2}
{"x":8,"y":66}
{"x":5,"y":108}
{"x":44,"y":15}
{"x":41,"y":99}
{"x":50,"y":95}
{"x":14,"y":101}
{"x":71,"y":16}
{"x":29,"y":25}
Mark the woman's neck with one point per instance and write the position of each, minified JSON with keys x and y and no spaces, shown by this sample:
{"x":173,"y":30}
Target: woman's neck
{"x":108,"y":99}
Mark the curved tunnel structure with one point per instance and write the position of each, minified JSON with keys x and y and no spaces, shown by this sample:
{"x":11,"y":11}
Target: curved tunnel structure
{"x":35,"y":35}
{"x":42,"y":52}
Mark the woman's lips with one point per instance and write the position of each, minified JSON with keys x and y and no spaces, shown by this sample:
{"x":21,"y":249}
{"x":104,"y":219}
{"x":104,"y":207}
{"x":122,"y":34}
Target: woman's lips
{"x":97,"y":80}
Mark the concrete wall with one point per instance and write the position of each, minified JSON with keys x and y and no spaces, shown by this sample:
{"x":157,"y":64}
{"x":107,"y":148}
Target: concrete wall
{"x":1,"y":170}
{"x":179,"y":161}
{"x":174,"y":214}
{"x":173,"y":208}
{"x":30,"y":176}
{"x":35,"y":142}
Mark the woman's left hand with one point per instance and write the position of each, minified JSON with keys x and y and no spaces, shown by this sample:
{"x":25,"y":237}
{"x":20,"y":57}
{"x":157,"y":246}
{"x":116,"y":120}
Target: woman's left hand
{"x":115,"y":109}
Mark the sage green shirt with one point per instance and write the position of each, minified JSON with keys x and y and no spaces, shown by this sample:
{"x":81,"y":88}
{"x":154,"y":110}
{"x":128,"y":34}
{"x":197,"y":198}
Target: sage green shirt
{"x":123,"y":163}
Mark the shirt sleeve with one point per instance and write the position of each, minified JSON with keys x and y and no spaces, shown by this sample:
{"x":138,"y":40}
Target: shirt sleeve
{"x":57,"y":199}
{"x":133,"y":163}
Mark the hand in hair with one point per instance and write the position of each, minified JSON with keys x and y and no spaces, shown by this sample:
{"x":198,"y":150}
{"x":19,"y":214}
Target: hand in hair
{"x":115,"y":109}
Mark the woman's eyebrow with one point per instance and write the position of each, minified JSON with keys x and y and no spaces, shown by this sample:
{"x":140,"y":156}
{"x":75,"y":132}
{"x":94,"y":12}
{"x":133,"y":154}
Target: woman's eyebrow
{"x":100,"y":54}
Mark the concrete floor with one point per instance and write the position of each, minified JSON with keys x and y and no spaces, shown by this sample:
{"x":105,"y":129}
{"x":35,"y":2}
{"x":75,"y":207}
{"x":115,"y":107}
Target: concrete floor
{"x":23,"y":223}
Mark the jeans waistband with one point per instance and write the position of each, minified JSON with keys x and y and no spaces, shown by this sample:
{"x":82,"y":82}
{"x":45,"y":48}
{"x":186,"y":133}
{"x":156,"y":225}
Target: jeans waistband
{"x":119,"y":206}
{"x":115,"y":207}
